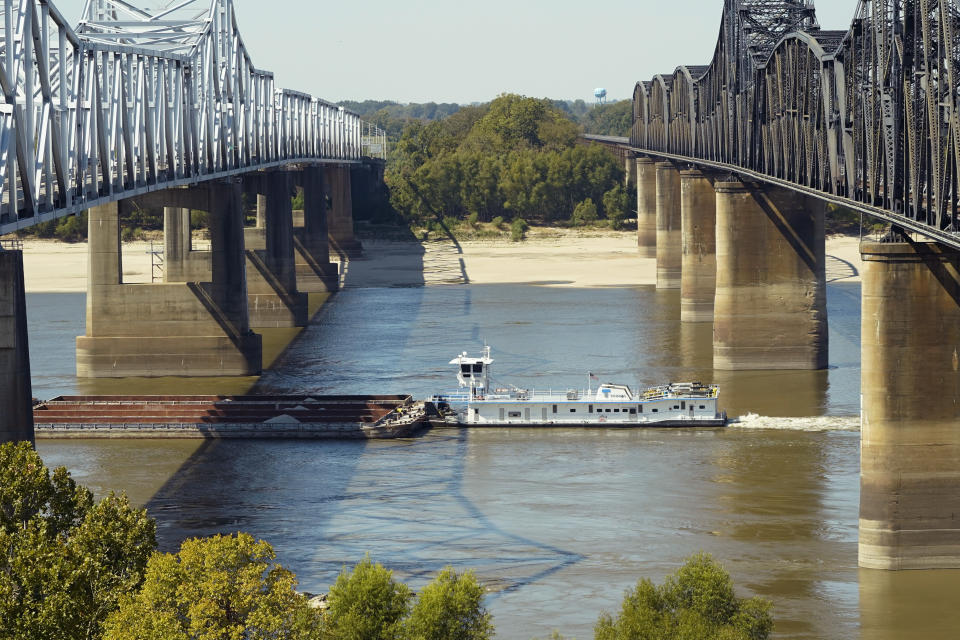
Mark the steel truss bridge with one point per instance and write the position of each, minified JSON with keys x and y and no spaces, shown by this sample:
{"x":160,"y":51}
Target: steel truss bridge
{"x":866,"y":118}
{"x":135,"y":100}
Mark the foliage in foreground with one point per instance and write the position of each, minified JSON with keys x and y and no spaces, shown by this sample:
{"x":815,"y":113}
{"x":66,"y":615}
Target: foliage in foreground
{"x":65,"y":560}
{"x":696,"y":602}
{"x":213,"y":588}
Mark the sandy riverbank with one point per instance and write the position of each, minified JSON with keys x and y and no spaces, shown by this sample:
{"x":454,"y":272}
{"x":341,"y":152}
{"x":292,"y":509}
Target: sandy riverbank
{"x":570,"y":258}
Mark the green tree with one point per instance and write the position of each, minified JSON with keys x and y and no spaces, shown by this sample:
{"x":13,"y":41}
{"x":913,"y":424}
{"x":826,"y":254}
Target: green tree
{"x":219,"y":588}
{"x":585,"y":212}
{"x":450,"y":608}
{"x":367,"y":604}
{"x":65,"y":559}
{"x":698,"y":601}
{"x":615,"y":206}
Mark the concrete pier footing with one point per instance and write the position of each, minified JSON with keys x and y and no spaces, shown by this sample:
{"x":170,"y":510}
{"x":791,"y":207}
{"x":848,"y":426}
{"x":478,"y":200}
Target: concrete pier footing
{"x":646,"y":208}
{"x":170,"y":329}
{"x":16,"y":398}
{"x":910,"y":436}
{"x":340,"y":219}
{"x":770,"y":309}
{"x":669,"y":234}
{"x":273,"y":297}
{"x":698,"y":204}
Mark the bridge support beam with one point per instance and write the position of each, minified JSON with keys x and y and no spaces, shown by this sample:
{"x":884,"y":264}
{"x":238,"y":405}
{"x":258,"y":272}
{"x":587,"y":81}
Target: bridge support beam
{"x":273,"y":297}
{"x":669,"y":234}
{"x":16,"y":397}
{"x":770,"y":309}
{"x":698,"y":204}
{"x":170,"y":329}
{"x":630,"y":171}
{"x":315,"y":272}
{"x":340,"y":221}
{"x":910,"y":438}
{"x":646,"y":207}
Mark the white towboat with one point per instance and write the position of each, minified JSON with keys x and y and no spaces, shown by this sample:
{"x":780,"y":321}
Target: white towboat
{"x":476,"y":404}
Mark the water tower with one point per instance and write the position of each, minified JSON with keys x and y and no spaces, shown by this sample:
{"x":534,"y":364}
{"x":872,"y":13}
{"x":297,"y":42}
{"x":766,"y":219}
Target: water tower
{"x":600,"y":95}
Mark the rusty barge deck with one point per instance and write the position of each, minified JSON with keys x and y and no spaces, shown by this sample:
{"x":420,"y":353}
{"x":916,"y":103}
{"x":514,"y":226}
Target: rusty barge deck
{"x":287,"y":416}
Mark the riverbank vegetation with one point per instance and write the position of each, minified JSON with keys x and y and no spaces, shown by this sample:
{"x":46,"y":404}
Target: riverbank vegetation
{"x":72,"y":568}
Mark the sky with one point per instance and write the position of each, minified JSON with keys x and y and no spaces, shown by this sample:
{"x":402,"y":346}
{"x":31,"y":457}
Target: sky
{"x":464,"y":52}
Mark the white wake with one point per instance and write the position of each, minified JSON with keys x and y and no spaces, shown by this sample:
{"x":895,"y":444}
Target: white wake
{"x":817,"y":423}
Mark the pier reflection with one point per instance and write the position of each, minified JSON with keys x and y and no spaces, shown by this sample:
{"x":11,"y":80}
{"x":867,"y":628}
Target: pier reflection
{"x":899,"y":604}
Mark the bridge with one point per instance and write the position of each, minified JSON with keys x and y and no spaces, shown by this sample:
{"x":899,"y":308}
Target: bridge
{"x":164,"y":108}
{"x":734,"y":162}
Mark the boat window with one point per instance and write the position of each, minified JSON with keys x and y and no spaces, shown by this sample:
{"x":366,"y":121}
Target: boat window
{"x":616,"y":410}
{"x":655,"y":410}
{"x":514,"y":414}
{"x":478,"y":368}
{"x":633,"y":412}
{"x":554,"y":408}
{"x":683,"y":405}
{"x":465,"y":368}
{"x":590,"y":408}
{"x":640,"y":409}
{"x":676,"y":406}
{"x":702,"y":407}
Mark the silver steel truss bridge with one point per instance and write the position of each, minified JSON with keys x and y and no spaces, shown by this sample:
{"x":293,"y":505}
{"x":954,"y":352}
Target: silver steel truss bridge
{"x":134,"y":100}
{"x":866,"y":118}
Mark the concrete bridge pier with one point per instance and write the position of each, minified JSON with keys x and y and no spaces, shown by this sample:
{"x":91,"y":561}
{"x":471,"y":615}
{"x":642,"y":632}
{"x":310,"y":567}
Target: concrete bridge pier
{"x":16,"y":397}
{"x":669,"y":234}
{"x":770,"y":309}
{"x":910,"y":436}
{"x":698,"y":204}
{"x":340,"y":220}
{"x":630,"y":171}
{"x":169,"y":329}
{"x":273,"y":297}
{"x":646,"y":207}
{"x":315,"y":272}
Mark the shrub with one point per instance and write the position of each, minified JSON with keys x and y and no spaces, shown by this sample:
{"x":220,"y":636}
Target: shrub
{"x":697,"y":601}
{"x":473,"y":220}
{"x":450,"y":222}
{"x":518,"y":229}
{"x":585,"y":212}
{"x":498,"y":222}
{"x":367,"y":604}
{"x":450,"y":607}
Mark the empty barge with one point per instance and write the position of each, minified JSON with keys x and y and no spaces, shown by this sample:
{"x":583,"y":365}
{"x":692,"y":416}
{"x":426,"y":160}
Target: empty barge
{"x":290,"y":417}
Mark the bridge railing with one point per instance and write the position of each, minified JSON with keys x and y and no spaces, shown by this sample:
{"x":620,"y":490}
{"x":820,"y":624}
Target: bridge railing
{"x":133,"y":103}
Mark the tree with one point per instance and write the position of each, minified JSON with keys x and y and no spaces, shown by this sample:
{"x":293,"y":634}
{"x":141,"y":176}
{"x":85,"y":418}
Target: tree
{"x":367,"y":604}
{"x":518,"y":229}
{"x":450,"y":608}
{"x":697,"y":601}
{"x":585,"y":212}
{"x":65,"y":560}
{"x":615,"y":206}
{"x":223,"y":587}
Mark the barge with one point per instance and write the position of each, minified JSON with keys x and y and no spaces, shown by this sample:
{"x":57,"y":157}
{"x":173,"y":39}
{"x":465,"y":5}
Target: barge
{"x":286,"y":416}
{"x":480,"y":403}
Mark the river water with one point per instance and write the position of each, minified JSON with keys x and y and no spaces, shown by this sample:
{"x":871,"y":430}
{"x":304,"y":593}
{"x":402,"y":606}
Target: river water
{"x":559,"y":522}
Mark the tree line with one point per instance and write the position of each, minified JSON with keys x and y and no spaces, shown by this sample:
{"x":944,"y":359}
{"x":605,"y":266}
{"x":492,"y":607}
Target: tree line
{"x":72,"y":568}
{"x":514,"y":158}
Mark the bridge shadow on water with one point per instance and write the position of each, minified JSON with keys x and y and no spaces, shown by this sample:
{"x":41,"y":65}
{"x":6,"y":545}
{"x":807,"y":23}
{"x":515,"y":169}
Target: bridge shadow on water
{"x":323,"y":505}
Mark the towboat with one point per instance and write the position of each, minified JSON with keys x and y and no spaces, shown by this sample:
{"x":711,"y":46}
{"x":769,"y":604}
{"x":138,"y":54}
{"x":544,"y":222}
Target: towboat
{"x":481,"y":403}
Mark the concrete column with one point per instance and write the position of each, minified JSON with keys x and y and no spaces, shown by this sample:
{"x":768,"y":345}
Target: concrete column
{"x":279,"y":229}
{"x":910,"y":436}
{"x":770,"y":310}
{"x":340,"y":218}
{"x":104,"y":269}
{"x":16,"y":396}
{"x":698,"y":204}
{"x":646,"y":208}
{"x":180,"y":262}
{"x":669,"y":234}
{"x":630,"y":171}
{"x":261,"y":211}
{"x":227,"y":259}
{"x":315,"y":272}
